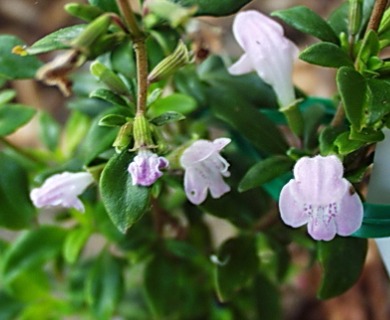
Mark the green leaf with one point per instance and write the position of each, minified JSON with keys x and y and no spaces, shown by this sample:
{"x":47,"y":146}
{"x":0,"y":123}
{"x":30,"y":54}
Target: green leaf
{"x":105,"y":285}
{"x":13,"y":66}
{"x":16,"y":211}
{"x":172,"y":289}
{"x":9,"y":307}
{"x":265,"y":171}
{"x":339,"y":18}
{"x":167,"y":117}
{"x":112,"y":120}
{"x":36,"y":281}
{"x":49,"y":130}
{"x":177,"y":102}
{"x":187,"y":81}
{"x":57,"y":40}
{"x":345,"y":145}
{"x":326,"y":139}
{"x":237,"y":265}
{"x":353,"y":90}
{"x":75,"y":131}
{"x":7,"y":95}
{"x":312,"y":118}
{"x":267,"y":299}
{"x":14,"y":116}
{"x":109,"y":96}
{"x":214,"y":7}
{"x":74,"y":242}
{"x":105,"y":5}
{"x":249,"y":87}
{"x":31,"y":249}
{"x":368,"y":135}
{"x":379,"y":104}
{"x":327,"y":55}
{"x":100,"y":139}
{"x":369,"y":48}
{"x":342,"y":260}
{"x":307,"y":21}
{"x":125,"y":202}
{"x":248,"y":121}
{"x":241,"y":209}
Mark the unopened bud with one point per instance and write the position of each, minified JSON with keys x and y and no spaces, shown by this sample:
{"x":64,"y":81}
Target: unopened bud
{"x":92,"y":32}
{"x":142,"y":133}
{"x":123,"y":138}
{"x":384,"y":26}
{"x":177,"y":59}
{"x":108,"y":77}
{"x":355,"y":16}
{"x":83,"y":11}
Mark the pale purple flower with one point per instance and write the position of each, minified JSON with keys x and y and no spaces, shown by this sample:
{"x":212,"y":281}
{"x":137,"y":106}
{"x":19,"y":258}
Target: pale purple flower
{"x":205,"y":169}
{"x":62,"y":190}
{"x":322,"y":198}
{"x":146,"y":168}
{"x":266,"y":51}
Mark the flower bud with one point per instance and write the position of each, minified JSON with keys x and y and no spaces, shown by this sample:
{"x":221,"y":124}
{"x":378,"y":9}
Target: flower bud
{"x":108,"y":77}
{"x":92,"y":32}
{"x":123,"y":138}
{"x":177,"y":59}
{"x":83,"y":11}
{"x":355,"y":16}
{"x":142,"y":133}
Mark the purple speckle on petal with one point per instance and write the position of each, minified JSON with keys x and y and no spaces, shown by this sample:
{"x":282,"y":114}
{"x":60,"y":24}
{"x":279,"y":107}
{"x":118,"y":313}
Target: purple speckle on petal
{"x":320,"y":196}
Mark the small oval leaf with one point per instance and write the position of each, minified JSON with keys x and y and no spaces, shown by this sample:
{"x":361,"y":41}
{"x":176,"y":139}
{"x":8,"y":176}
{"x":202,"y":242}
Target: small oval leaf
{"x":265,"y":171}
{"x":125,"y":202}
{"x":342,"y":260}
{"x":327,"y":55}
{"x":307,"y":21}
{"x":353,"y":90}
{"x":238,"y":263}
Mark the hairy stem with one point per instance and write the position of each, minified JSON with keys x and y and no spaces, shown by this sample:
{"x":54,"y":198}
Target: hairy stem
{"x":128,"y":15}
{"x":376,"y":15}
{"x":140,"y":53}
{"x":142,"y":74}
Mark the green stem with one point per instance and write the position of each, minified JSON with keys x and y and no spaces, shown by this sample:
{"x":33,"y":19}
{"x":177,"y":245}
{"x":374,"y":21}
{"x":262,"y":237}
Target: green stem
{"x":294,"y":119}
{"x":21,"y":152}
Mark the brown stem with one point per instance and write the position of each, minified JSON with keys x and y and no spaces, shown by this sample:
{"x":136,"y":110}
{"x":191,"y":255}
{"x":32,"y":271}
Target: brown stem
{"x":140,"y":53}
{"x":128,"y":15}
{"x":338,"y":118}
{"x":142,"y":74}
{"x":376,"y":15}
